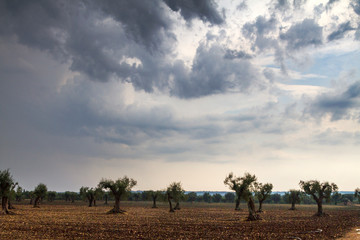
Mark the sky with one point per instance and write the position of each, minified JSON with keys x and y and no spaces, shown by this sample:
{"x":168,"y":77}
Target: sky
{"x":171,"y":90}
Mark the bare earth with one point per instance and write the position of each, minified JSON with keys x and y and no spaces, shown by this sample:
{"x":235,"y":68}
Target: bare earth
{"x":193,"y":221}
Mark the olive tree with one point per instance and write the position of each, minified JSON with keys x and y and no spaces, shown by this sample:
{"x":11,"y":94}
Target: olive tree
{"x":12,"y":195}
{"x":39,"y":193}
{"x":155,"y":195}
{"x":118,"y":188}
{"x":234,"y":183}
{"x":89,"y":194}
{"x":319,"y":191}
{"x":262,"y":192}
{"x":244,"y":188}
{"x":6,"y":183}
{"x":248,"y":184}
{"x":293,"y":197}
{"x":175,"y":192}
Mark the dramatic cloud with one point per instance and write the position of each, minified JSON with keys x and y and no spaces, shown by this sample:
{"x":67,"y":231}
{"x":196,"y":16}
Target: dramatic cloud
{"x":159,"y":89}
{"x":303,"y":34}
{"x":342,"y":29}
{"x":203,"y":9}
{"x":338,"y":106}
{"x":212,"y":72}
{"x":92,"y":36}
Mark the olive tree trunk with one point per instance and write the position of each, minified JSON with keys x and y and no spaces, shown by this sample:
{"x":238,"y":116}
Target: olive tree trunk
{"x":320,"y":208}
{"x":154,"y":202}
{"x":90,"y":199}
{"x":4,"y":205}
{"x":116,"y":208}
{"x":177,"y":206}
{"x":237,"y":203}
{"x":292,"y":206}
{"x":36,"y":202}
{"x":252,"y":212}
{"x":170,"y":204}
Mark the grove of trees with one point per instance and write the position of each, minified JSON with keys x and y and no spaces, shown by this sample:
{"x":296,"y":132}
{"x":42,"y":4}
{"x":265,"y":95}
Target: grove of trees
{"x":246,"y":188}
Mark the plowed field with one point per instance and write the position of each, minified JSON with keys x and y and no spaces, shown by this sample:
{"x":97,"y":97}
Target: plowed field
{"x":193,"y":221}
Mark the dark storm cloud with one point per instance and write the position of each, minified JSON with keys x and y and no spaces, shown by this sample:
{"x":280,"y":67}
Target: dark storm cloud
{"x":145,"y":21}
{"x":127,"y":40}
{"x":337,"y":105}
{"x":73,"y":31}
{"x":213,"y":73}
{"x":340,"y":32}
{"x":303,"y":34}
{"x":206,"y":10}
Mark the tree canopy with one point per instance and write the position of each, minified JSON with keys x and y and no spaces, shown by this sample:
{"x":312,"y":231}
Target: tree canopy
{"x":175,"y":192}
{"x":40,"y":192}
{"x":262,"y":192}
{"x":319,"y":191}
{"x":6,"y":182}
{"x":6,"y":186}
{"x":240,"y":185}
{"x":118,"y":188}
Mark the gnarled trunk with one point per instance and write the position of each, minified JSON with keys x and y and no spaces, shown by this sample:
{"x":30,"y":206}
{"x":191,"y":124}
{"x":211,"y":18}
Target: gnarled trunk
{"x":36,"y":202}
{"x":116,"y":208}
{"x":91,"y":200}
{"x":154,"y":202}
{"x":252,"y":212}
{"x":4,"y":205}
{"x":237,"y":203}
{"x":170,"y":204}
{"x":320,"y":208}
{"x":177,"y":206}
{"x":292,"y":206}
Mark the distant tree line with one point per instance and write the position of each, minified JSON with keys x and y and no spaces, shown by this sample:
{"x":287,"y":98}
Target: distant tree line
{"x":246,"y":190}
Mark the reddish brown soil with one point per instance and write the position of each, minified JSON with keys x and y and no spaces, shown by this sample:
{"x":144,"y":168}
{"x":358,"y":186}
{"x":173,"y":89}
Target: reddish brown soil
{"x":197,"y":221}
